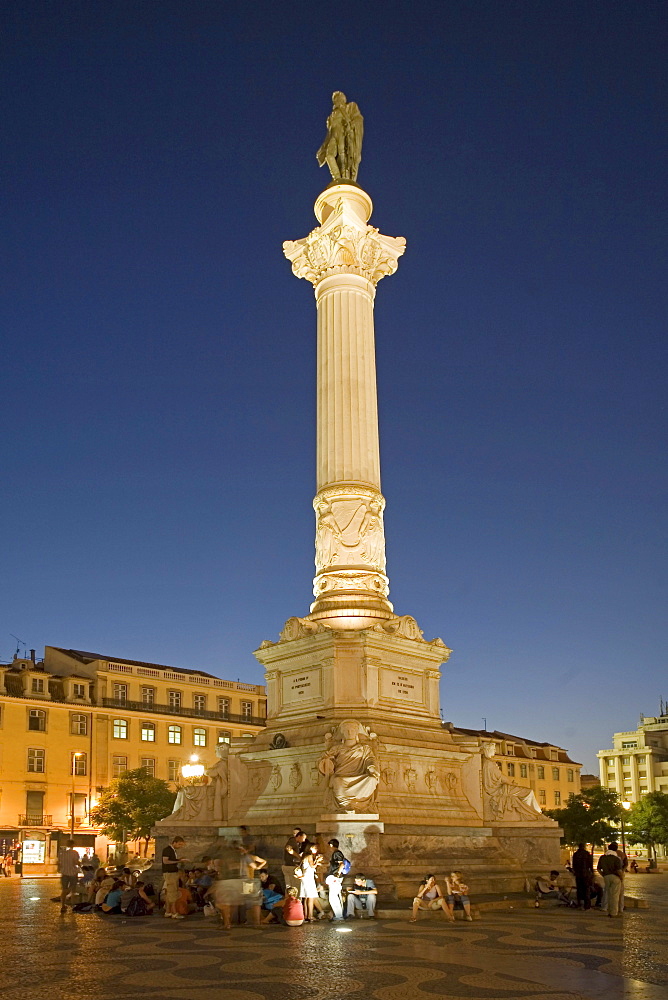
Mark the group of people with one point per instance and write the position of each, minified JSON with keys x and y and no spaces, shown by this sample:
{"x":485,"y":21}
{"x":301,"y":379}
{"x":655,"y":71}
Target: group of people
{"x":430,"y":897}
{"x":87,"y":887}
{"x":602,"y":888}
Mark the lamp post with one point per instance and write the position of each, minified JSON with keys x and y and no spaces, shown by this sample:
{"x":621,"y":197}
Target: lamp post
{"x":625,"y":808}
{"x":193,"y":770}
{"x":77,"y":753}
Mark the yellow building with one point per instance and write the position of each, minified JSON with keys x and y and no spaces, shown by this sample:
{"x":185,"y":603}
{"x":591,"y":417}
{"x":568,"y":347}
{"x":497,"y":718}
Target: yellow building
{"x":73,"y":721}
{"x":543,"y":767}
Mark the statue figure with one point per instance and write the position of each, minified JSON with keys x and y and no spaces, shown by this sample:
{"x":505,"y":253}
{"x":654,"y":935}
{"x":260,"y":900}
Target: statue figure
{"x":351,"y":767}
{"x":191,"y":805}
{"x":506,"y":799}
{"x":218,"y":776}
{"x":342,"y":148}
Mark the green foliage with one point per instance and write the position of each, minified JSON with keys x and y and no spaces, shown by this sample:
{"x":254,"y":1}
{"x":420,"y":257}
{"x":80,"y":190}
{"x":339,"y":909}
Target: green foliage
{"x":585,"y":819}
{"x":132,"y":805}
{"x":648,"y":820}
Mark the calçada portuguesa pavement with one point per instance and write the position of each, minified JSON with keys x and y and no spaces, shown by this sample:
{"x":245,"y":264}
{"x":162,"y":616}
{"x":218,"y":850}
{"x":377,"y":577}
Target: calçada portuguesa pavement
{"x":518,"y":954}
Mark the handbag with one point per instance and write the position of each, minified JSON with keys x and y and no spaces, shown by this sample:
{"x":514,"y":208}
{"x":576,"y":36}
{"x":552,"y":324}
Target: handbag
{"x":209,"y":910}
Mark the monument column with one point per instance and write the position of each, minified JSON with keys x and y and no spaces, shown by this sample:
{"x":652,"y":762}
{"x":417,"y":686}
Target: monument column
{"x":344,"y":258}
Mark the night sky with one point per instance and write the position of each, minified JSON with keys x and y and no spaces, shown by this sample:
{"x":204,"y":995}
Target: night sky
{"x":158,"y":367}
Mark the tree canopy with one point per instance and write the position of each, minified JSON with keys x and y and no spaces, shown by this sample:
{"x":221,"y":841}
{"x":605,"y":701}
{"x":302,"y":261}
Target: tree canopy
{"x":588,"y":818}
{"x":648,"y":820}
{"x":132,"y":805}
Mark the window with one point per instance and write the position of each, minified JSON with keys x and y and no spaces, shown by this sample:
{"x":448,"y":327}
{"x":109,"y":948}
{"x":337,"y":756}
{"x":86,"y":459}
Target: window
{"x":224,"y":706}
{"x":540,"y":770}
{"x":79,"y":764}
{"x":174,"y":734}
{"x":199,"y":737}
{"x":533,"y":751}
{"x":78,"y":724}
{"x":148,"y":695}
{"x":37,"y":720}
{"x":173,"y":770}
{"x":120,"y":729}
{"x":148,"y":732}
{"x":510,"y":749}
{"x":523,"y":771}
{"x":570,"y":775}
{"x":641,"y":760}
{"x":147,"y":765}
{"x":511,"y":770}
{"x":643,"y":788}
{"x":38,"y":685}
{"x":557,"y":798}
{"x":249,"y":736}
{"x":224,"y":736}
{"x":247,"y":709}
{"x":79,"y":690}
{"x":631,"y":745}
{"x":36,"y":760}
{"x":554,"y":755}
{"x":119,"y":765}
{"x":627,"y":774}
{"x":555,"y":774}
{"x":626,"y":760}
{"x":175,"y":699}
{"x":541,"y":797}
{"x":642,"y":774}
{"x":199,"y":702}
{"x":120,"y":692}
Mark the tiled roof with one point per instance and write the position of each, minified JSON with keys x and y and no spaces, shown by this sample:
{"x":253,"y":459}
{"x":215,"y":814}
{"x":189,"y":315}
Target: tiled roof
{"x":496,"y":735}
{"x":86,"y":657}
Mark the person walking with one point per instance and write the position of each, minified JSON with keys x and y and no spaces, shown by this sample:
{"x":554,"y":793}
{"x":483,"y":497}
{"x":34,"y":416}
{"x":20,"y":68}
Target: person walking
{"x":69,"y":874}
{"x":610,"y":867}
{"x":583,"y":870}
{"x":170,"y":876}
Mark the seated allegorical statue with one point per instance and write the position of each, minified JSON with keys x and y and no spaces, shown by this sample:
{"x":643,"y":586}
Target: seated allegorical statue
{"x":351,"y":767}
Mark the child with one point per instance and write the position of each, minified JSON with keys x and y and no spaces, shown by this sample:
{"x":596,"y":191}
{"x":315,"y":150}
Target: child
{"x":293,"y":911}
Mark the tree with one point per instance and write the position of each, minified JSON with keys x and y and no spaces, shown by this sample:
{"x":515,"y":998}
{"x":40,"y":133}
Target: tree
{"x":586,"y":817}
{"x":648,"y":821}
{"x":132,"y":805}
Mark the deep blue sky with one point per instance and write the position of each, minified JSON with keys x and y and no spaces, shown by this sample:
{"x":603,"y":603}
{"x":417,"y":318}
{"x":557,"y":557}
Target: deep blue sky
{"x":158,"y":374}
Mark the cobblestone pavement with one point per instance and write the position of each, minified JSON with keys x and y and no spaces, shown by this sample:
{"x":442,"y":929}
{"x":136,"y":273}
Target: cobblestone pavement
{"x":523,"y":954}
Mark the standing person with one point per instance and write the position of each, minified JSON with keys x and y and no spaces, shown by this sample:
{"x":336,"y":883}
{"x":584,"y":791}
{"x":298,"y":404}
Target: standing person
{"x":69,"y":873}
{"x":583,"y":869}
{"x":430,"y":897}
{"x":362,"y":896}
{"x":232,"y":890}
{"x":625,"y":867}
{"x":610,"y":867}
{"x":457,"y":892}
{"x":291,"y":859}
{"x":334,"y":883}
{"x":337,"y":858}
{"x":308,"y":890}
{"x":9,"y":864}
{"x":170,"y":876}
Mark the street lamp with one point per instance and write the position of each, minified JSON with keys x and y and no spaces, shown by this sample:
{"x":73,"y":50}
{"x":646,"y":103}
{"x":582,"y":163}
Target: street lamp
{"x":193,"y":770}
{"x":77,"y":753}
{"x":625,"y":808}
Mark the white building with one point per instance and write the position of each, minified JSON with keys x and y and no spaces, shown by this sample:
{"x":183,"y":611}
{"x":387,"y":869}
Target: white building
{"x":638,"y":761}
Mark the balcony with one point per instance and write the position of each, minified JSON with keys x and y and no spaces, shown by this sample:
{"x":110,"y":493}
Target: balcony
{"x":35,"y":819}
{"x":147,"y":708}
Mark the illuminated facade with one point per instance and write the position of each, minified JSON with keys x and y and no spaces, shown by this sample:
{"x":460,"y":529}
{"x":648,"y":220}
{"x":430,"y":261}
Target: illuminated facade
{"x":73,"y":721}
{"x":637,"y":762}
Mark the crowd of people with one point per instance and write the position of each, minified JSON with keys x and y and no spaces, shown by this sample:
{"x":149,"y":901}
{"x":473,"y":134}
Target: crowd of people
{"x":584,"y":887}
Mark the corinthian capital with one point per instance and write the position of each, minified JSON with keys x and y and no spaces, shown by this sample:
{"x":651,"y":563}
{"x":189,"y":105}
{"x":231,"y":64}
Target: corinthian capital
{"x":344,"y":244}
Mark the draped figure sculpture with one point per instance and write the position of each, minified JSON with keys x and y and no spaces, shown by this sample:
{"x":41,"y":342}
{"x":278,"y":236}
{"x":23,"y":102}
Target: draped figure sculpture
{"x":506,"y":800}
{"x":342,"y":148}
{"x":205,"y":802}
{"x":351,"y":767}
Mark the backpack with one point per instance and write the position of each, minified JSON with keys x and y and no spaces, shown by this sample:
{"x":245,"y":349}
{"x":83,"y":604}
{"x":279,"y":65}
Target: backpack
{"x":136,"y":907}
{"x":345,"y":866}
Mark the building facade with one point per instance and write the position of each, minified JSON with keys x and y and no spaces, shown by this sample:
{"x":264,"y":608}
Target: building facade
{"x":637,"y":762}
{"x":73,"y":721}
{"x":545,"y":768}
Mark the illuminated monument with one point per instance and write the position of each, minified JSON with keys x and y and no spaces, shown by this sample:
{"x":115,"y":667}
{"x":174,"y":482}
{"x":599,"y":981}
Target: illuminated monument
{"x":354,"y":745}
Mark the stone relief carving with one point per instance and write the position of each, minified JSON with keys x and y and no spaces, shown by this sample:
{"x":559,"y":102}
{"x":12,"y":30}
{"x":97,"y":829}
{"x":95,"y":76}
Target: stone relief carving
{"x":388,"y":775}
{"x":256,"y":780}
{"x":410,"y":777}
{"x":351,"y":580}
{"x":406,"y":626}
{"x":276,"y":777}
{"x":299,"y":628}
{"x":279,"y":742}
{"x":316,"y":776}
{"x":503,"y":798}
{"x":350,"y":765}
{"x":295,"y":776}
{"x":349,"y":531}
{"x":343,"y":244}
{"x":431,"y":778}
{"x":448,"y":782}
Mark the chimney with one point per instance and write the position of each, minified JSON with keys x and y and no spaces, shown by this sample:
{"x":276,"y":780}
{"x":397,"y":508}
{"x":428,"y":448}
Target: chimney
{"x":32,"y":655}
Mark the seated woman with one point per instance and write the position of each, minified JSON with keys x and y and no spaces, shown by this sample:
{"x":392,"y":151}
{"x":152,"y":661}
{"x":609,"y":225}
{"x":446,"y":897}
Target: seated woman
{"x":457,"y":894}
{"x":430,"y":897}
{"x":272,"y":902}
{"x":137,"y":901}
{"x":293,"y":911}
{"x":112,"y":902}
{"x":100,"y":886}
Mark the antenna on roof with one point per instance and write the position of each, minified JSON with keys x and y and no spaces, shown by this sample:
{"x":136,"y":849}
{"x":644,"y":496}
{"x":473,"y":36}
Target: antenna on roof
{"x":19,"y":643}
{"x":484,"y":723}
